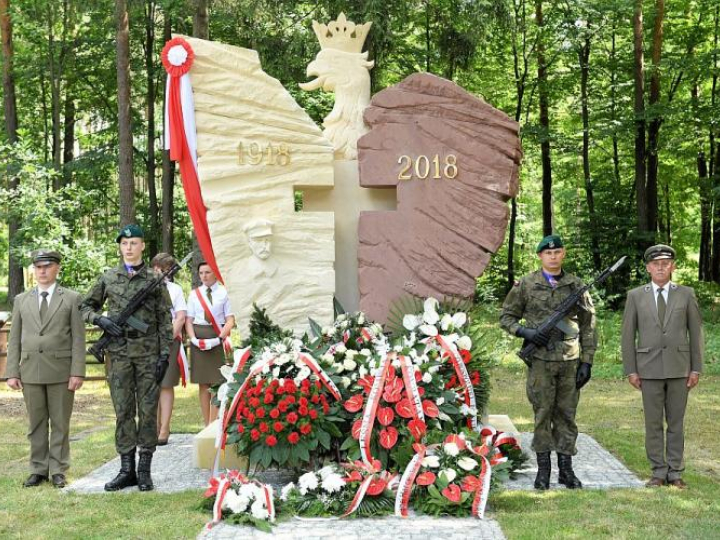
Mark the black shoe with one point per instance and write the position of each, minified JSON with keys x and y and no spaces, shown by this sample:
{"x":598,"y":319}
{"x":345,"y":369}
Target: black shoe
{"x":144,"y":479}
{"x":58,"y":480}
{"x":35,"y":480}
{"x":126,"y":477}
{"x":542,"y":480}
{"x":566,"y":475}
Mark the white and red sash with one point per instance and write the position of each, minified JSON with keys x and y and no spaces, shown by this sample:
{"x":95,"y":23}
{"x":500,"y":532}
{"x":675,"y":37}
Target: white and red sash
{"x":182,"y":362}
{"x":227,"y":346}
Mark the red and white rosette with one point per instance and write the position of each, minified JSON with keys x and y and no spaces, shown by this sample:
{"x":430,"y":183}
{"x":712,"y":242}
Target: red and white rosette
{"x":183,"y":364}
{"x":181,"y":137}
{"x":463,"y":376}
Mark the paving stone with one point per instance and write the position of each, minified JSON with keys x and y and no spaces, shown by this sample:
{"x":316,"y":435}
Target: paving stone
{"x":594,"y":466}
{"x":362,"y":529}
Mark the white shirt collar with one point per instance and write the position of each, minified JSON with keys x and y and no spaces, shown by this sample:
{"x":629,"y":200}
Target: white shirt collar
{"x":665,"y":288}
{"x":50,"y":290}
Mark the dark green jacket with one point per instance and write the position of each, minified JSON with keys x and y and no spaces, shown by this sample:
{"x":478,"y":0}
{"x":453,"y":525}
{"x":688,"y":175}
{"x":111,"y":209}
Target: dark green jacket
{"x":116,"y":288}
{"x":532,"y":300}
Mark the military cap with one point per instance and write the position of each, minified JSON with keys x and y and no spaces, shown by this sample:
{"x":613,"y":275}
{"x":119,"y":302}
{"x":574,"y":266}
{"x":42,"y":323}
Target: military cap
{"x":552,"y":241}
{"x":258,"y":228}
{"x":41,"y":257}
{"x":130,"y":231}
{"x":659,"y":251}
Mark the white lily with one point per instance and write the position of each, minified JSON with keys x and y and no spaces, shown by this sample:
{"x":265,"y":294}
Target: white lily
{"x":431,"y":461}
{"x":410,"y":322}
{"x":467,"y":463}
{"x":446,"y":321}
{"x":451,"y":449}
{"x":464,"y":343}
{"x":459,"y":319}
{"x":429,"y":329}
{"x":448,"y":474}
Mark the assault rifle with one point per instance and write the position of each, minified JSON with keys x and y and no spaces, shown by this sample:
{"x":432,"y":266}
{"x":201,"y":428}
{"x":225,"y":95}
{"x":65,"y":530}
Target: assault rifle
{"x":556,"y":320}
{"x":126,"y":317}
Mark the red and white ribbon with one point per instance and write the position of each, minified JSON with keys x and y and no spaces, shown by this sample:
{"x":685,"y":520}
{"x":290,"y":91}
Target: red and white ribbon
{"x":321,"y":375}
{"x":359,"y":496}
{"x":371,"y":407}
{"x":181,"y":137}
{"x":463,"y":376}
{"x":402,"y":499}
{"x":408,"y":373}
{"x":483,"y":490}
{"x":183,"y":364}
{"x":219,"y":498}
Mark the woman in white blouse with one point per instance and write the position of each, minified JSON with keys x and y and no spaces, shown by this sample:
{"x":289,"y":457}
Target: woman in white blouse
{"x":160,"y":263}
{"x":208,"y":324}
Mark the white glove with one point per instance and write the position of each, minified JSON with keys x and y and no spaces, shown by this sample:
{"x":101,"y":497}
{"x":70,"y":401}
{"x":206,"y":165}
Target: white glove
{"x":205,"y":344}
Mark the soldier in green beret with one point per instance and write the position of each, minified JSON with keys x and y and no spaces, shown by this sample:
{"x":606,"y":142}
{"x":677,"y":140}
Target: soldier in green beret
{"x":561,"y":367}
{"x":662,"y":350}
{"x":138,"y":360}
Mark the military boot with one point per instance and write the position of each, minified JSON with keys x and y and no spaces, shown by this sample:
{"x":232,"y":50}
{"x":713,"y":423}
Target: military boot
{"x":566,"y":475}
{"x":542,"y":480}
{"x":145,"y":482}
{"x":126,"y":477}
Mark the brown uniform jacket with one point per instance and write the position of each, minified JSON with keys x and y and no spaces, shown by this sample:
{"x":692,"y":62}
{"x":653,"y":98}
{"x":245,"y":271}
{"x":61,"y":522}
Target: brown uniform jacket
{"x":662,"y":351}
{"x":46,"y":353}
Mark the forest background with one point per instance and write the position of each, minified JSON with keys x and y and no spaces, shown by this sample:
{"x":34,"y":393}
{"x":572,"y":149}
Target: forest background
{"x":618,"y":102}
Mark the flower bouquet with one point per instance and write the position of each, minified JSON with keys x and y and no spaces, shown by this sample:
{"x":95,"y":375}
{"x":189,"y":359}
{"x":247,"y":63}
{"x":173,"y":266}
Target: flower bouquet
{"x":281,"y":411}
{"x":239,"y":500}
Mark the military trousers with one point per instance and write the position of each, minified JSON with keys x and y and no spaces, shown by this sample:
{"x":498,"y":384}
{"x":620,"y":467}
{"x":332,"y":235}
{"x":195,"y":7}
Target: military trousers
{"x":551,"y":391}
{"x":134,"y":391}
{"x":49,"y":408}
{"x":665,"y":400}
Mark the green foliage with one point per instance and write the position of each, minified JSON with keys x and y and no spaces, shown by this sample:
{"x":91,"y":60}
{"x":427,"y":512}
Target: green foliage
{"x":263,"y":331}
{"x":47,"y":217}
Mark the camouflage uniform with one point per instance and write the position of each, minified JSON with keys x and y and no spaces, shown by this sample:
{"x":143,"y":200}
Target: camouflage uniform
{"x":133,"y":358}
{"x":551,"y":379}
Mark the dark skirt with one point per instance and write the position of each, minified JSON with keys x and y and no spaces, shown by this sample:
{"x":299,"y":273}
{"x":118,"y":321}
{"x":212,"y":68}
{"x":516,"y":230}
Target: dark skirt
{"x":205,"y":365}
{"x":172,"y":375}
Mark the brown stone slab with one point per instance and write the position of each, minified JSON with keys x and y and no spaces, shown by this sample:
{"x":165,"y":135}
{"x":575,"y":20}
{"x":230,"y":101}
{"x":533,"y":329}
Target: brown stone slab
{"x":440,"y":238}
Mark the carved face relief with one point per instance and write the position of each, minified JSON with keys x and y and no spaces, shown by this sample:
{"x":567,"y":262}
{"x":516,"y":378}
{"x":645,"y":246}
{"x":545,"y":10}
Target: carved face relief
{"x":260,"y":246}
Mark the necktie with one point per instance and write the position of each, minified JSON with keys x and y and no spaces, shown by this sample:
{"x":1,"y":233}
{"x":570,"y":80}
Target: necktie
{"x":661,"y":306}
{"x":209,"y":295}
{"x":43,"y":306}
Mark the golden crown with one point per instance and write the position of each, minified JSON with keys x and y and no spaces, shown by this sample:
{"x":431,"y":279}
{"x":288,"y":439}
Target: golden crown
{"x":342,"y":34}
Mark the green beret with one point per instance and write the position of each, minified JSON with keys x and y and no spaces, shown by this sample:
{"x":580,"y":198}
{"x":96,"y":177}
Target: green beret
{"x":130,"y":231}
{"x":552,"y":241}
{"x":660,"y":251}
{"x":41,"y":257}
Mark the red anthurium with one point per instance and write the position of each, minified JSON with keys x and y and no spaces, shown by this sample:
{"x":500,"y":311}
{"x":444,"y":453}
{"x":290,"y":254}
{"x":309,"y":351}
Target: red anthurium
{"x":430,"y":409}
{"x":452,"y":493}
{"x":425,"y":479}
{"x":470,"y":483}
{"x":388,"y":437}
{"x":459,"y":441}
{"x":354,"y":404}
{"x":385,"y":415}
{"x":417,"y":428}
{"x":377,"y":486}
{"x":353,"y":476}
{"x":404,"y":408}
{"x":366,"y":383}
{"x":356,"y":429}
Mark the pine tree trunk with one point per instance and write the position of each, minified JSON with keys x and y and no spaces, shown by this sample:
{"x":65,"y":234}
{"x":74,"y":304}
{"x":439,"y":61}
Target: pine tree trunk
{"x":168,"y":170}
{"x":150,"y":113}
{"x":655,"y":122}
{"x":641,"y":196}
{"x":584,"y":58}
{"x":125,"y":144}
{"x":15,"y":271}
{"x":544,"y":124}
{"x":200,"y":30}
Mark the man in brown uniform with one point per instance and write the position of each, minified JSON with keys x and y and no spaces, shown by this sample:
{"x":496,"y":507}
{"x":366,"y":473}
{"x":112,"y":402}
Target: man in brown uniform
{"x":46,"y":360}
{"x":662,"y":349}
